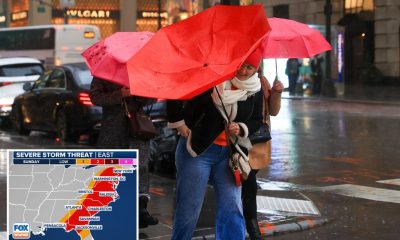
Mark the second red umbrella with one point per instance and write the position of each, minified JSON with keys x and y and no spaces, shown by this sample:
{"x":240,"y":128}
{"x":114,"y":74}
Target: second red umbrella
{"x":291,"y":39}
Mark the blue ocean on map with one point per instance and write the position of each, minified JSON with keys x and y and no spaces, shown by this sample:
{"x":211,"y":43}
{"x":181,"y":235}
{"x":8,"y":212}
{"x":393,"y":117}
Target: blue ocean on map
{"x":120,"y":223}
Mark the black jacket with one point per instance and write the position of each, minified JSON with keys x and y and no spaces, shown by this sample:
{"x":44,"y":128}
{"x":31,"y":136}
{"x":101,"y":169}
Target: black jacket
{"x":114,"y":125}
{"x":205,"y":121}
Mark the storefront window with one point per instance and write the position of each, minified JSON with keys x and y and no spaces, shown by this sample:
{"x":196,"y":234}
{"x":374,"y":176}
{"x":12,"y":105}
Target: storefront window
{"x":182,"y":9}
{"x":19,"y":13}
{"x":356,"y":6}
{"x":246,"y":2}
{"x":102,"y":13}
{"x":148,"y":15}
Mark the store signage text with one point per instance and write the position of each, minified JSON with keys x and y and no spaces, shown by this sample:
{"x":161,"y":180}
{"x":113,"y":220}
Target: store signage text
{"x":147,"y":14}
{"x":89,"y":13}
{"x":19,"y":15}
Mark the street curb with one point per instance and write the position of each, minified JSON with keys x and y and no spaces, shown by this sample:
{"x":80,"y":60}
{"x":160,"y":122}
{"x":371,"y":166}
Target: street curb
{"x":303,"y":223}
{"x":345,"y":100}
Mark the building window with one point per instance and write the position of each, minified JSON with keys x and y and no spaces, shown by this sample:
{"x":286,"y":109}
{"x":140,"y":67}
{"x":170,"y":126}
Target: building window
{"x":357,"y":6}
{"x":281,"y":11}
{"x":147,"y":15}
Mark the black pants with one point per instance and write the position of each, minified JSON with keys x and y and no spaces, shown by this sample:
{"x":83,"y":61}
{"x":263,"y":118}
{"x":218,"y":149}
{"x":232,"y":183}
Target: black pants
{"x":292,"y":83}
{"x":249,"y":196}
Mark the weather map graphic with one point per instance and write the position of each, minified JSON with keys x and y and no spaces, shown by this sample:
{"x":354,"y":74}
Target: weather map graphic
{"x":72,"y":194}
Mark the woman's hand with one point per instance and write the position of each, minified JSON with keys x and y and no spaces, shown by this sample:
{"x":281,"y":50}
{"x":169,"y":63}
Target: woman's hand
{"x":277,"y":86}
{"x":234,"y":129}
{"x":183,"y":131}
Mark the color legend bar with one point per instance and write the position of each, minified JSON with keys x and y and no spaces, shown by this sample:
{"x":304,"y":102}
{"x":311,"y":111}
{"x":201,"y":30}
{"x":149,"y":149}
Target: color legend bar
{"x":127,"y":161}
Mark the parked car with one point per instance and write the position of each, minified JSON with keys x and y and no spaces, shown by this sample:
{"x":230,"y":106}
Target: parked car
{"x":58,"y":102}
{"x":14,"y":72}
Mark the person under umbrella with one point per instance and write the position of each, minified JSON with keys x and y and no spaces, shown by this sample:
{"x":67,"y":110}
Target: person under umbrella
{"x":114,"y":134}
{"x":203,"y":153}
{"x":287,"y":39}
{"x":260,"y":156}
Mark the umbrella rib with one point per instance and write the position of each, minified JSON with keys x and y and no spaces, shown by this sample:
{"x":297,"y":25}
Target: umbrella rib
{"x":306,"y":46}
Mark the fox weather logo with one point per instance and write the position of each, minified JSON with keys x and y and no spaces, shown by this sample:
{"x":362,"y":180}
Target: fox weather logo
{"x":21,"y":231}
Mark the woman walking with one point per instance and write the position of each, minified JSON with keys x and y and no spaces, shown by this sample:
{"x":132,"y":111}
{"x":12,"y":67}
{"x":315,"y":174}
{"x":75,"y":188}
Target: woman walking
{"x":203,"y":153}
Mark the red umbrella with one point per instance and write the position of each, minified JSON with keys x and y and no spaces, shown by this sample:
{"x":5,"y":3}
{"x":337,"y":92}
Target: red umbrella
{"x":291,"y":39}
{"x":107,"y":58}
{"x":187,"y":58}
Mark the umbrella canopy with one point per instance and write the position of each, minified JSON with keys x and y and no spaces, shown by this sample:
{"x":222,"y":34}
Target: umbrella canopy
{"x":107,"y":59}
{"x":291,"y":39}
{"x":187,"y":58}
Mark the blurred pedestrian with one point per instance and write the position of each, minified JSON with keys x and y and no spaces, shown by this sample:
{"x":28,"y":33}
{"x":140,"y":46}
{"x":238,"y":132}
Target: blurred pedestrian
{"x":292,"y":71}
{"x":114,"y":133}
{"x":271,"y":107}
{"x":203,"y":152}
{"x":316,"y":68}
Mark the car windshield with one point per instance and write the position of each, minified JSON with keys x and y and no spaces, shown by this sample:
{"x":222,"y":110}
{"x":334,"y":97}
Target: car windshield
{"x":17,"y":70}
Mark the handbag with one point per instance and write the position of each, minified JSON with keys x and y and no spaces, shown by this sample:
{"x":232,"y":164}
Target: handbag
{"x":260,"y":153}
{"x":261,"y":135}
{"x":240,"y":168}
{"x":140,"y":124}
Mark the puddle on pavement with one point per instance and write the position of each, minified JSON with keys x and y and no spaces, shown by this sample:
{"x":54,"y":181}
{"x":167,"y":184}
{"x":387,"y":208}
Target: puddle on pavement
{"x":276,"y":186}
{"x":271,"y":216}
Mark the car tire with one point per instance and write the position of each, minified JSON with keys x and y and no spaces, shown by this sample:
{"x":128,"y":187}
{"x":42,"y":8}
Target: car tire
{"x":17,"y":122}
{"x":63,"y":130}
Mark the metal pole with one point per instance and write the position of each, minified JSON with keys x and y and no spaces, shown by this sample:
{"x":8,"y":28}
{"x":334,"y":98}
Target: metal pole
{"x":327,"y":85}
{"x":159,"y":15}
{"x":65,"y":15}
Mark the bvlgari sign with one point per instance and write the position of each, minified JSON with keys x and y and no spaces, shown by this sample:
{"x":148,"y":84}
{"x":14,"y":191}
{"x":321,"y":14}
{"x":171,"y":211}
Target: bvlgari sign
{"x":87,"y":13}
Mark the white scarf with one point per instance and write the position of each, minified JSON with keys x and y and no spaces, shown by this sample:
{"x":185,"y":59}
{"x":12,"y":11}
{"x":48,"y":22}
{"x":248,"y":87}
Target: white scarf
{"x":230,"y":97}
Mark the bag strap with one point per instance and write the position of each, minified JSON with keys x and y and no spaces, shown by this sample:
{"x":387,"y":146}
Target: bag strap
{"x":265,"y":89}
{"x":128,"y":114}
{"x":226,"y":127}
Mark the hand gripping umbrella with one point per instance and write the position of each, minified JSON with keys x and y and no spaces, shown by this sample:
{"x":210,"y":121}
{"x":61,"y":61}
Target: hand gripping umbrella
{"x":107,"y":59}
{"x":189,"y":57}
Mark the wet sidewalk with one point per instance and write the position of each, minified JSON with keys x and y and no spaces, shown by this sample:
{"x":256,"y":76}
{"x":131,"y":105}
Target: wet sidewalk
{"x":281,"y":208}
{"x":357,"y":93}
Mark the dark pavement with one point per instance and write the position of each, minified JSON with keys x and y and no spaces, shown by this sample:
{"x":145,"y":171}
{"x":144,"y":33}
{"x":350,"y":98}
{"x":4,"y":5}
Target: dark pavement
{"x":328,"y":156}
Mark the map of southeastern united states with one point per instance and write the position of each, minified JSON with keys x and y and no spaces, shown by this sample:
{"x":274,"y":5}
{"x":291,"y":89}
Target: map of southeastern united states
{"x":72,"y":219}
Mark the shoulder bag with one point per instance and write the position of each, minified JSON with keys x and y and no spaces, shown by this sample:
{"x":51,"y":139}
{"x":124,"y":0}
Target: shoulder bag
{"x":260,"y":153}
{"x":140,"y":123}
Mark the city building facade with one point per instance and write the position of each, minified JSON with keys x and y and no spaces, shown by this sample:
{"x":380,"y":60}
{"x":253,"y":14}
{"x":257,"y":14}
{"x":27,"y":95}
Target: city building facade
{"x":368,"y":29}
{"x":365,"y":33}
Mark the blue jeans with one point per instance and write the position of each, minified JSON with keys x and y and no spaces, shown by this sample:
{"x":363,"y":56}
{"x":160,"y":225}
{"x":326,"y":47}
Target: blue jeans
{"x":192,"y":177}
